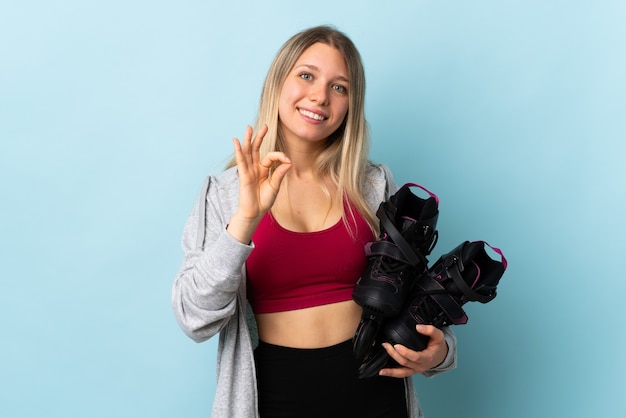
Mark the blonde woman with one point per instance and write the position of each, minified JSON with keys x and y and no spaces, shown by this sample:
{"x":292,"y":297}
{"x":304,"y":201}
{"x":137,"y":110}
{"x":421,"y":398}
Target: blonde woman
{"x":274,"y":247}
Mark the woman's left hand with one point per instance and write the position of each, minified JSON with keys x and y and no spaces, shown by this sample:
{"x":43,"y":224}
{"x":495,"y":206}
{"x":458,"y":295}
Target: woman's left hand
{"x":415,"y":362}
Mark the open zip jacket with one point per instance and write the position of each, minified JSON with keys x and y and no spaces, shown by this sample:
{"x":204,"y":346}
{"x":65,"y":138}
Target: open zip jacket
{"x":209,"y":292}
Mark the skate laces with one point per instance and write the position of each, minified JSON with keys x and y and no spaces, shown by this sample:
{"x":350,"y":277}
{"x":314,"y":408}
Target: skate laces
{"x":426,"y":310}
{"x":391,"y":267}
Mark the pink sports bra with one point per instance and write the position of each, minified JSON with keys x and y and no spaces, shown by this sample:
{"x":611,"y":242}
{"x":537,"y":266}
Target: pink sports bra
{"x":294,"y":270}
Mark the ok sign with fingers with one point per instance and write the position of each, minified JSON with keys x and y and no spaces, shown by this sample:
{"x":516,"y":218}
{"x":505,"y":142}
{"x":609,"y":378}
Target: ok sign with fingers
{"x":258,"y":183}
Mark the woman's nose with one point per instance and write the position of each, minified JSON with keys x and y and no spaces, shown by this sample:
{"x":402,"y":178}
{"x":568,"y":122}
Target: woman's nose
{"x":318,"y":94}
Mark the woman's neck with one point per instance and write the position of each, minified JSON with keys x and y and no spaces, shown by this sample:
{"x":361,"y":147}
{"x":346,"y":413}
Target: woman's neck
{"x":304,"y":157}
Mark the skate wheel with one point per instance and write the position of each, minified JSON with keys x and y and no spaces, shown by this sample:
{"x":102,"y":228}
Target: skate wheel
{"x":364,"y":338}
{"x":374,"y":364}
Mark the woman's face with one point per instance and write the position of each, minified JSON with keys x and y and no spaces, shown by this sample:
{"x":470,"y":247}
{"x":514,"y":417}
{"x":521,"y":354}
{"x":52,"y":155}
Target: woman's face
{"x":313,"y":101}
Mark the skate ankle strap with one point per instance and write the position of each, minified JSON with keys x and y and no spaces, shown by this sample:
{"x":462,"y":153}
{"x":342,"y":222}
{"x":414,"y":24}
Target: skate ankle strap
{"x":386,"y":249}
{"x":453,"y":268}
{"x":411,"y":256}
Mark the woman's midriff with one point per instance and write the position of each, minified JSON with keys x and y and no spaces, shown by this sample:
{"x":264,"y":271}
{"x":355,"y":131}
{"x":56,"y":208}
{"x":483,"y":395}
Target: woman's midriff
{"x":317,"y":327}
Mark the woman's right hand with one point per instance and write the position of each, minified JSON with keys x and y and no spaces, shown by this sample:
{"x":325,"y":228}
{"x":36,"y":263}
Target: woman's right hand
{"x":258,"y":185}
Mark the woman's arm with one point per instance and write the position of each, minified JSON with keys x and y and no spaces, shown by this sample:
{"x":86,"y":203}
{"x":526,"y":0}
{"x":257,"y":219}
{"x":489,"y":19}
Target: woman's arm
{"x":217,"y":237}
{"x":205,"y":288}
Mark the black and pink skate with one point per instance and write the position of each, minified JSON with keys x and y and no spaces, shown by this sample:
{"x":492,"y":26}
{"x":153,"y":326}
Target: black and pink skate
{"x":466,"y":274}
{"x":407,"y":236}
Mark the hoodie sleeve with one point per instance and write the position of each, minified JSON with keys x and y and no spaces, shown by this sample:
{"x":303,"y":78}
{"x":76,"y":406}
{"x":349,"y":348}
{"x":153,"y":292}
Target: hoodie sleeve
{"x":449,"y":363}
{"x":204,"y":293}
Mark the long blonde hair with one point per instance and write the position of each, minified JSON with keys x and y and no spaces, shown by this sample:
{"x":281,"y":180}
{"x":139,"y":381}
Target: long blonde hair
{"x":346,"y":154}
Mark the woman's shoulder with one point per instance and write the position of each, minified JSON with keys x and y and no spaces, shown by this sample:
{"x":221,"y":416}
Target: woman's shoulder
{"x":221,"y":187}
{"x":226,"y":178}
{"x":379,"y":176}
{"x":226,"y":181}
{"x":376,"y":171}
{"x":378,"y":183}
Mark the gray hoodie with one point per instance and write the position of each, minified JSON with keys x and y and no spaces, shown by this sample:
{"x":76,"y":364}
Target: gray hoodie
{"x":209,"y":292}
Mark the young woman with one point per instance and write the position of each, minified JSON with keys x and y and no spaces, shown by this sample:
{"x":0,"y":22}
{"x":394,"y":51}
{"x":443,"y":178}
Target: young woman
{"x":274,"y":247}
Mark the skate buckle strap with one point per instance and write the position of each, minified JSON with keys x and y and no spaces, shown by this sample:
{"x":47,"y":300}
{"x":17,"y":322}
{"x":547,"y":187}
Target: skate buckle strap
{"x":413,"y":257}
{"x":454,"y":273}
{"x":436,"y":291}
{"x":386,"y":249}
{"x":453,"y":269}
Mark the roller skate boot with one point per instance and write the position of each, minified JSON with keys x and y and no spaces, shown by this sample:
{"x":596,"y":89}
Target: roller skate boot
{"x":466,"y":274}
{"x":407,"y":236}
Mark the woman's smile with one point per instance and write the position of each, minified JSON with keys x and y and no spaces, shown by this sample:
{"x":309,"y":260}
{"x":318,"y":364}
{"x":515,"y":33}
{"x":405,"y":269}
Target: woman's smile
{"x":309,"y":114}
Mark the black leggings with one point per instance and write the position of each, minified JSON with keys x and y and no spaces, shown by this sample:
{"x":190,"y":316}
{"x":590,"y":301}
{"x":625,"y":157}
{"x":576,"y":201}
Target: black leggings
{"x":301,"y":383}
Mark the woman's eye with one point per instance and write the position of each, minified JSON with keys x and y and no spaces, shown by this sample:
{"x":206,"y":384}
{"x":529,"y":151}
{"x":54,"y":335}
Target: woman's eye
{"x":306,"y":76}
{"x":339,"y":88}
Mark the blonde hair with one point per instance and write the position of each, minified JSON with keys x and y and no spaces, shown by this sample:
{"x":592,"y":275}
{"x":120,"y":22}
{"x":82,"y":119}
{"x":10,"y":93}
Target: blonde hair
{"x":346,"y":154}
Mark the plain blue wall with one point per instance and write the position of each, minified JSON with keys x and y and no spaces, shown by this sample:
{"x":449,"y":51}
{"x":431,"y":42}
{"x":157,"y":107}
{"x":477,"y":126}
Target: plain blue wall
{"x":111,"y":114}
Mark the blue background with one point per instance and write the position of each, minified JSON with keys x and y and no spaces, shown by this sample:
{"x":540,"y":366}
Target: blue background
{"x":111,"y":114}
